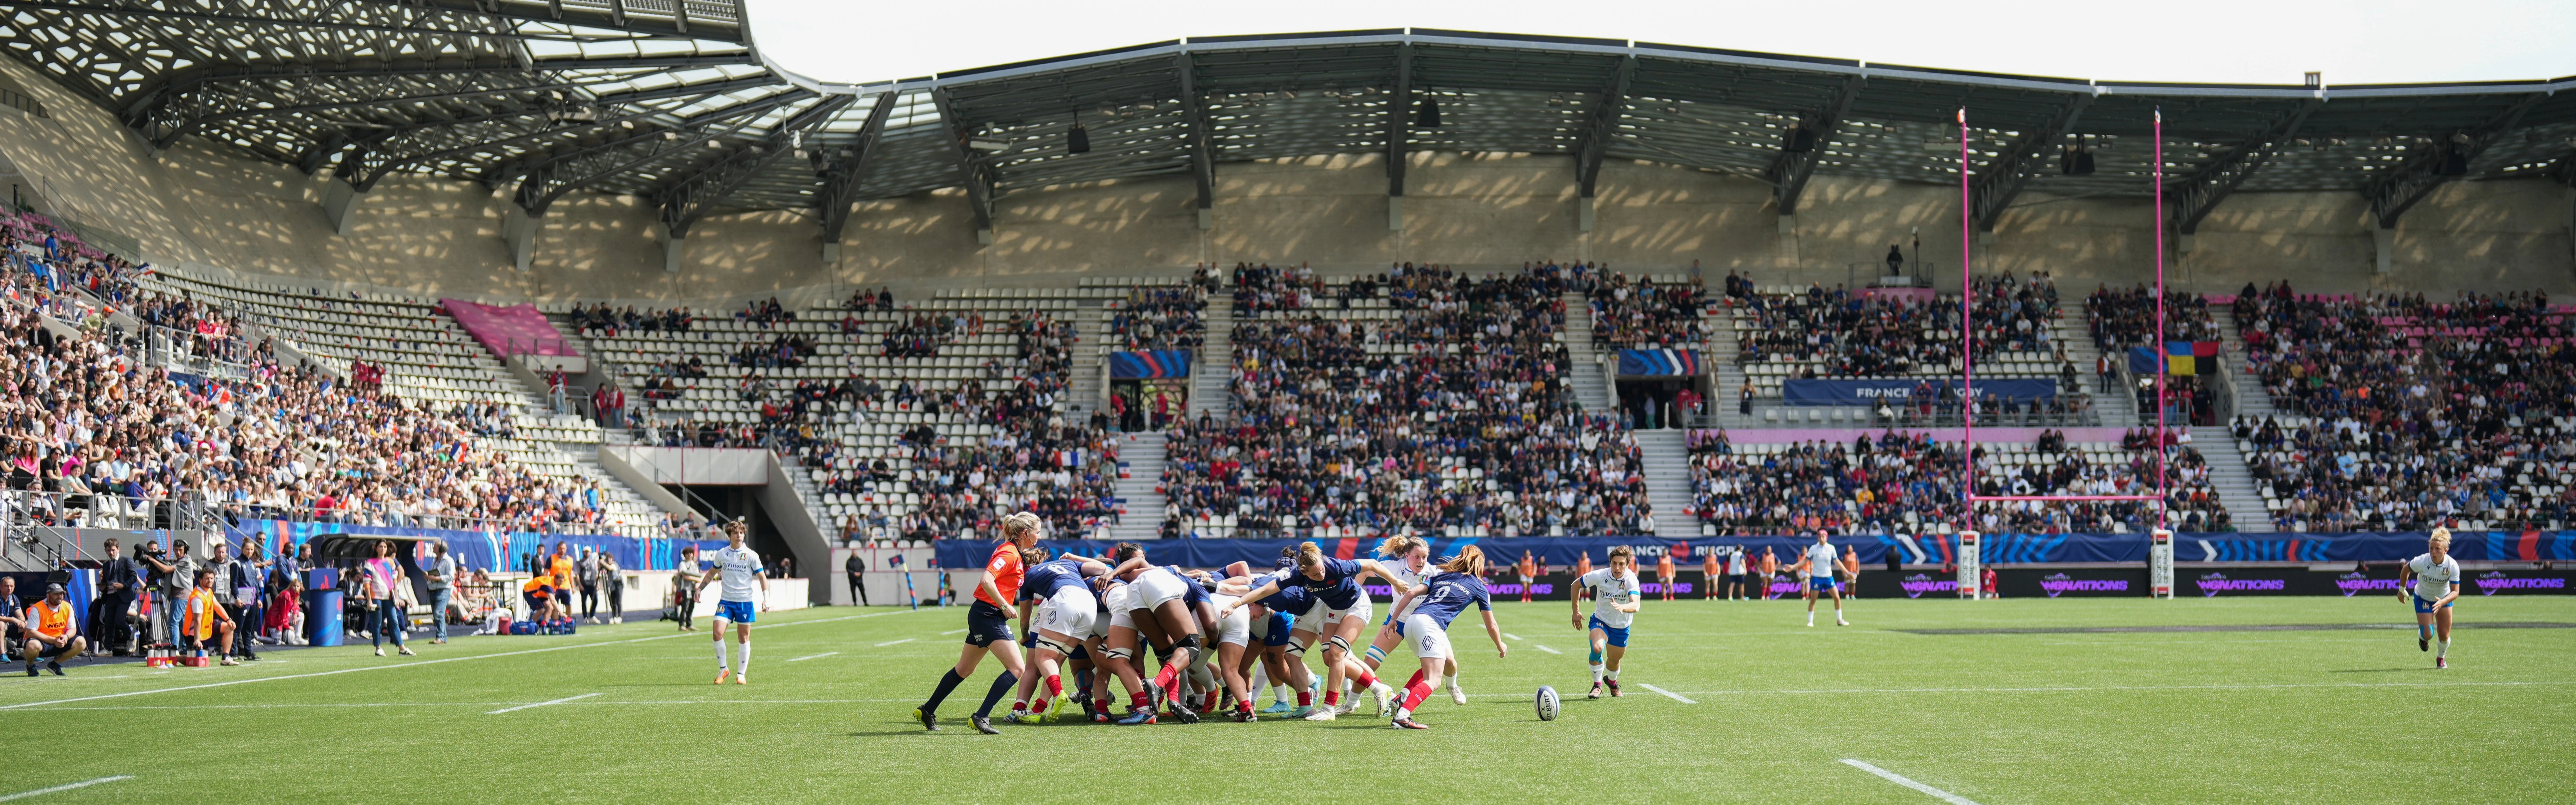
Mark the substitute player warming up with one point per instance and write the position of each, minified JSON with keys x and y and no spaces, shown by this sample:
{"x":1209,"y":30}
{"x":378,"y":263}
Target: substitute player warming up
{"x":737,"y":571}
{"x":2437,"y":585}
{"x":1819,"y":561}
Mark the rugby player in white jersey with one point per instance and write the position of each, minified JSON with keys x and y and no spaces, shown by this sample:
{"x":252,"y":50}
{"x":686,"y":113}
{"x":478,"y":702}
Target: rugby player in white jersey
{"x":737,"y":569}
{"x":1819,"y":561}
{"x":2437,"y":585}
{"x":1615,"y":596}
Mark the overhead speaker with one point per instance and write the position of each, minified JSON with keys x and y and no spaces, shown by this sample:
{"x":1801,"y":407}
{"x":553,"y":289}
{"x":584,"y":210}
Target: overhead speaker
{"x":1429,"y":117}
{"x":1077,"y":141}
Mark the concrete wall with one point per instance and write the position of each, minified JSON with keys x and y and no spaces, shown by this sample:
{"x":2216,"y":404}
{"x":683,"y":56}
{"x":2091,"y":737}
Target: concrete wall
{"x":202,"y":204}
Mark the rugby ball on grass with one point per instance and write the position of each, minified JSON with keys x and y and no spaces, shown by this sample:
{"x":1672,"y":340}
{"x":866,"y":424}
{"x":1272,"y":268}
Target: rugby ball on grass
{"x":1546,"y":703}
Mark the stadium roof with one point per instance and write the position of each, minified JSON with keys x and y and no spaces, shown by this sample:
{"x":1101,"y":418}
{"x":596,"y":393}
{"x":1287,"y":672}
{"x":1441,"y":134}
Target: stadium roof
{"x":670,"y":100}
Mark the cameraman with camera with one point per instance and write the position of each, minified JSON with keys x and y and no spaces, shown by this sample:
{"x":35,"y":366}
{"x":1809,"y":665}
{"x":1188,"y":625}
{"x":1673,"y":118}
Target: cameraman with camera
{"x":175,"y":574}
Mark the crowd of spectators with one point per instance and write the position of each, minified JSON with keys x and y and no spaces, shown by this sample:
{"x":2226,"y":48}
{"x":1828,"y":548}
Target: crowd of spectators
{"x":2408,"y":413}
{"x":111,"y":440}
{"x":1873,"y":335}
{"x":1159,"y":318}
{"x":1906,"y":482}
{"x":1452,"y":414}
{"x":603,"y":320}
{"x":1644,"y":315}
{"x":1038,"y":459}
{"x":2127,"y":318}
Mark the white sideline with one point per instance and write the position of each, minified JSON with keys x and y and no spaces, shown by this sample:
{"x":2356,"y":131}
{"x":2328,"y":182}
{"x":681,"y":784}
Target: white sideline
{"x":2135,"y":687}
{"x":1545,"y":649}
{"x":228,"y":683}
{"x":1899,"y":779}
{"x":540,"y":704}
{"x":66,"y":787}
{"x":894,"y":642}
{"x":813,"y":656}
{"x":1675,"y":696}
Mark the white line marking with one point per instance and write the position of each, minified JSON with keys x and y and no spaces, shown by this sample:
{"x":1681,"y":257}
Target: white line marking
{"x":1545,"y":649}
{"x":1510,"y":636}
{"x":894,"y":642}
{"x":2133,"y":687}
{"x":951,"y":632}
{"x":1899,"y":779}
{"x":66,"y":787}
{"x":1675,"y":696}
{"x":813,"y":656}
{"x":416,"y":663}
{"x":540,"y":704}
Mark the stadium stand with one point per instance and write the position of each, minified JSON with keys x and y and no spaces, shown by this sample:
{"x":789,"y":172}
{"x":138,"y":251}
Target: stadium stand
{"x":2400,"y":413}
{"x":193,"y":403}
{"x":1905,"y":482}
{"x":1784,"y":333}
{"x":1418,"y":399}
{"x":913,"y":420}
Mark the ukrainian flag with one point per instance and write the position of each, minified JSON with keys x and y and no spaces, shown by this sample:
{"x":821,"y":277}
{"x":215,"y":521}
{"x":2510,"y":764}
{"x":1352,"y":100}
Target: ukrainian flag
{"x":2189,"y":357}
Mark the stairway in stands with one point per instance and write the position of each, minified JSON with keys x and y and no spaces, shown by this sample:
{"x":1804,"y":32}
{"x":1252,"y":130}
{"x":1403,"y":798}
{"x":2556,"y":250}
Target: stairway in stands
{"x":2251,"y":400}
{"x":2118,"y":409}
{"x":1140,"y":466}
{"x":1215,"y":362}
{"x":1721,"y":352}
{"x":2234,"y":483}
{"x":1667,"y":469}
{"x":1584,"y":366}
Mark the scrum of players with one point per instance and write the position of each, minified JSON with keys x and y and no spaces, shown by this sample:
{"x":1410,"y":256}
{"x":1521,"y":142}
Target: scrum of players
{"x":1216,"y":638}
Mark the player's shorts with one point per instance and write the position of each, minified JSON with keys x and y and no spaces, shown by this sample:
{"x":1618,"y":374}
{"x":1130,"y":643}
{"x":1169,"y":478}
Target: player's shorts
{"x":1121,"y":603}
{"x":55,"y":651}
{"x":1069,"y":612}
{"x":1235,"y":627}
{"x":2424,"y":607}
{"x":535,"y":601}
{"x":1618,"y":637}
{"x":1735,"y":579}
{"x":1429,"y":641}
{"x":737,"y":611}
{"x":986,"y":624}
{"x":1525,"y":580}
{"x":1822,"y":584}
{"x":1156,"y":587}
{"x":1322,"y":615}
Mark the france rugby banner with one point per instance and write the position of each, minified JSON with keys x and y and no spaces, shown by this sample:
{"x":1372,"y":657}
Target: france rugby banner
{"x":1149,"y":364}
{"x":1658,"y":362}
{"x":1869,"y":391}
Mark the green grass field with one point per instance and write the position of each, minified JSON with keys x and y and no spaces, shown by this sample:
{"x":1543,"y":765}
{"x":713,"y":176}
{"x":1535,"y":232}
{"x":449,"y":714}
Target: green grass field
{"x":1775,"y":708}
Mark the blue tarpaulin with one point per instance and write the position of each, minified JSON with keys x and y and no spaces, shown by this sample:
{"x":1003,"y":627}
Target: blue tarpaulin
{"x":1149,"y":364}
{"x":1869,"y":391}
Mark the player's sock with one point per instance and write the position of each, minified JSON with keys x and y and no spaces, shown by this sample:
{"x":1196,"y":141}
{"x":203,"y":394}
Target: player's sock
{"x":2443,"y":651}
{"x":1002,"y":686}
{"x":1243,"y":705}
{"x":1415,"y":690}
{"x":1163,"y":678}
{"x":1450,"y":681}
{"x":724,"y":658}
{"x":1278,"y":693}
{"x":1055,"y":686}
{"x":1332,"y":698}
{"x":1614,"y":675}
{"x":1367,"y":679}
{"x":1596,"y":673}
{"x":745,"y":666}
{"x":947,"y":682}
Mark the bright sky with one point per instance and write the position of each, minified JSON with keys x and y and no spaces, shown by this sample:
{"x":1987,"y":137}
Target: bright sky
{"x":2352,"y":41}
